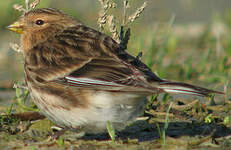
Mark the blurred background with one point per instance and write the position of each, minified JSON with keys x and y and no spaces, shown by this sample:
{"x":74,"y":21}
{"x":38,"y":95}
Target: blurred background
{"x":185,"y":40}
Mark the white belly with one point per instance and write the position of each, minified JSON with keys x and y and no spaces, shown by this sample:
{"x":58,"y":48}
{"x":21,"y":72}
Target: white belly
{"x":118,"y":108}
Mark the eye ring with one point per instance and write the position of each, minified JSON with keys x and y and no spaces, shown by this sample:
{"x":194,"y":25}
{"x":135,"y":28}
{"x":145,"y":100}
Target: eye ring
{"x":39,"y":22}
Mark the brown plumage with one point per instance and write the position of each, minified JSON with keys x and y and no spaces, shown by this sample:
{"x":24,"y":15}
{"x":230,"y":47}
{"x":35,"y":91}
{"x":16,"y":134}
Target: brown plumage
{"x":80,"y":78}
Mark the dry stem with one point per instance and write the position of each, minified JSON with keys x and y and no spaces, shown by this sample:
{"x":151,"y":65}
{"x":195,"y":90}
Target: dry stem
{"x":136,"y":15}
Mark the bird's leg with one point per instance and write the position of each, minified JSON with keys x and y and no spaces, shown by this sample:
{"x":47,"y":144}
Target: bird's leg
{"x":58,"y":133}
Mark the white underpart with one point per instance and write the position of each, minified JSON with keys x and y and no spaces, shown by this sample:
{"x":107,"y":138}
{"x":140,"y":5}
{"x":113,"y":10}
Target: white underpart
{"x":118,"y":108}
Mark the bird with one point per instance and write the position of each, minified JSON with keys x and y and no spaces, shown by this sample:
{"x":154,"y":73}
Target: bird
{"x":80,"y":78}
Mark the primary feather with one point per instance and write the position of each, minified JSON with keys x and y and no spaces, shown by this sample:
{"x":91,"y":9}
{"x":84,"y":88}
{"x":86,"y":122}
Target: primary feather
{"x":184,"y":88}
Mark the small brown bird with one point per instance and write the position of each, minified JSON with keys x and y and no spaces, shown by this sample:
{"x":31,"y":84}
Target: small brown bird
{"x":80,"y":78}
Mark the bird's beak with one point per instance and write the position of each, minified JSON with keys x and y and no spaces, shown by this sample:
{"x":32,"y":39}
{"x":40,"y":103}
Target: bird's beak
{"x":16,"y":27}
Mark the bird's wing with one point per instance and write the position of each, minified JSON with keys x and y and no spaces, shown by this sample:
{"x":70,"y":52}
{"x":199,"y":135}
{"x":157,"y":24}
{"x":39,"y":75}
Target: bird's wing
{"x":108,"y":74}
{"x":83,"y":57}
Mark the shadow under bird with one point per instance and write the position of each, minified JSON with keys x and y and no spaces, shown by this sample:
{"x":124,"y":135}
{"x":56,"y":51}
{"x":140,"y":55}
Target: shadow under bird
{"x":80,"y":78}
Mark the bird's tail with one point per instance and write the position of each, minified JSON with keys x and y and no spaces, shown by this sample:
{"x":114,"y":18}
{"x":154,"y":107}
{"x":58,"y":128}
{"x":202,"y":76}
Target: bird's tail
{"x":184,"y":88}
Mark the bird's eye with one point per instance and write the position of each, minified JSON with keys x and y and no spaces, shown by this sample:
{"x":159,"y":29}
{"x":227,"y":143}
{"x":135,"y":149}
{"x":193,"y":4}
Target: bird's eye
{"x":39,"y":22}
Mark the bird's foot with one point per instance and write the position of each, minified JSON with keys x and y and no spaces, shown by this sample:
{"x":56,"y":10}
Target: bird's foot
{"x":56,"y":134}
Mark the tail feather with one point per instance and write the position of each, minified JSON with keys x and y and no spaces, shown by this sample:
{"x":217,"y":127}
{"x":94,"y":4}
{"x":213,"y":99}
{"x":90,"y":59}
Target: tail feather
{"x":184,"y":88}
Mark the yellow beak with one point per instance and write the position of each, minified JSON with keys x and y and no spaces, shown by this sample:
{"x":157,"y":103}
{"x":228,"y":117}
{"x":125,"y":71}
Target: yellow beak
{"x":16,"y":27}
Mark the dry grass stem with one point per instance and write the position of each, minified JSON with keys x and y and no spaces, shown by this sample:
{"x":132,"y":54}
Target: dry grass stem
{"x":126,"y":6}
{"x":112,"y":28}
{"x":106,"y":5}
{"x":15,"y":47}
{"x":102,"y":19}
{"x":136,"y":15}
{"x":28,"y":6}
{"x":19,"y":8}
{"x":226,"y":91}
{"x":34,"y":4}
{"x":15,"y":86}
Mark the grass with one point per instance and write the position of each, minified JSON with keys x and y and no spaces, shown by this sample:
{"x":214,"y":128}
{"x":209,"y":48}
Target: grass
{"x":163,"y":137}
{"x":111,"y":131}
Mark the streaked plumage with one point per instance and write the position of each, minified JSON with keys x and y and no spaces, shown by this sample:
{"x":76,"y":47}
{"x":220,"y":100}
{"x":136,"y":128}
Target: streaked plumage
{"x":80,"y":78}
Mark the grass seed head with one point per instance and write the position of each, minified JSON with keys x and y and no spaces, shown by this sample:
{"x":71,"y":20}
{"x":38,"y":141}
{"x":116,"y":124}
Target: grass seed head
{"x":112,"y":28}
{"x":138,"y":12}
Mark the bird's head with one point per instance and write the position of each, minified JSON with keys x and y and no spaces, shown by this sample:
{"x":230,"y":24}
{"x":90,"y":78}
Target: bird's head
{"x":39,"y":20}
{"x":39,"y":24}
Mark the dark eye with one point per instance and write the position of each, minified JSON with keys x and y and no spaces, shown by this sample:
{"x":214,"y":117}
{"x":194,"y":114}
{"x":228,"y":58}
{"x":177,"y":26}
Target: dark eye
{"x":39,"y":22}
